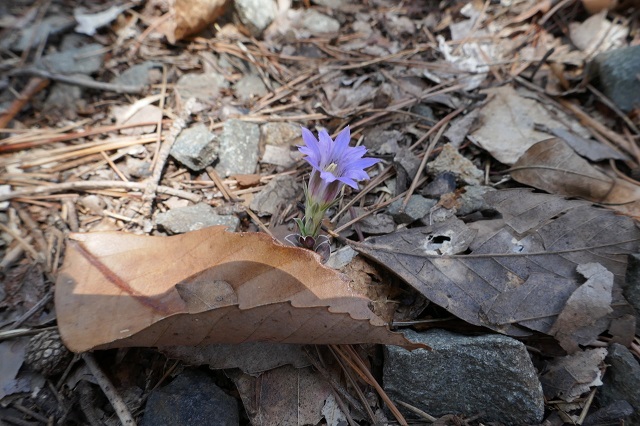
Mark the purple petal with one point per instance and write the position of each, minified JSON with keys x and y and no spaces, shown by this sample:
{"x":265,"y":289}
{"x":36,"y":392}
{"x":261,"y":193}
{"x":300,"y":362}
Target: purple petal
{"x":348,"y":181}
{"x":363,"y":163}
{"x":341,"y":143}
{"x":312,"y":143}
{"x":326,"y":145}
{"x":327,"y":176}
{"x":356,"y":174}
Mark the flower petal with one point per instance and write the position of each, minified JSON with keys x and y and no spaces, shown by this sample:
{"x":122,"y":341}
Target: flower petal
{"x":341,"y":144}
{"x":327,"y":176}
{"x":326,"y":145}
{"x":312,"y":143}
{"x":348,"y":181}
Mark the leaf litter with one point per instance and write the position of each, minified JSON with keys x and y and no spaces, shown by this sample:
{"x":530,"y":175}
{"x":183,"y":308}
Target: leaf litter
{"x":495,"y":80}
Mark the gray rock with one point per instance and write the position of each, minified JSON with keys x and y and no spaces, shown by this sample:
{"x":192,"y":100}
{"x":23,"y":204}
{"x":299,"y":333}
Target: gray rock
{"x":142,"y":74}
{"x":238,"y":148}
{"x":256,"y":15}
{"x":406,"y":164}
{"x":192,"y":218}
{"x":281,"y":134}
{"x":331,"y":4}
{"x":617,"y":73}
{"x":611,"y":414}
{"x":450,"y":160}
{"x":376,"y":224}
{"x":279,"y":192}
{"x":375,"y":139}
{"x":318,"y":24}
{"x":138,"y":168}
{"x":621,"y":380}
{"x":631,"y":286}
{"x":250,"y":86}
{"x":36,"y":33}
{"x":425,"y":111}
{"x":473,"y":199}
{"x":490,"y":374}
{"x":63,"y":100}
{"x":444,"y":183}
{"x":204,"y":87}
{"x":191,"y":399}
{"x":195,"y":147}
{"x":417,"y":208}
{"x":83,"y":60}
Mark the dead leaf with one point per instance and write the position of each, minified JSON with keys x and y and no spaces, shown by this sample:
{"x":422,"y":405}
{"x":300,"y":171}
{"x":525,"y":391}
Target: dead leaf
{"x":588,"y":148}
{"x":584,"y":316}
{"x":551,"y":165}
{"x":283,"y":396}
{"x":205,"y":287}
{"x":571,"y":376}
{"x":516,"y":275}
{"x":252,"y":358}
{"x":508,"y":121}
{"x":188,"y":17}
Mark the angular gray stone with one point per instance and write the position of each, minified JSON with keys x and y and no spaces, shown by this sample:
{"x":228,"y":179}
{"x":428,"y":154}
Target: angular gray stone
{"x":250,"y":86}
{"x":191,"y":399}
{"x":238,"y":148}
{"x":256,"y":15}
{"x":63,"y":100}
{"x":204,"y":87}
{"x":490,"y":374}
{"x":631,"y":286}
{"x":318,"y":24}
{"x":621,"y":380}
{"x":450,"y":160}
{"x":473,"y":199}
{"x":442,"y":184}
{"x":142,"y":74}
{"x":280,"y":191}
{"x":617,"y":73}
{"x":192,"y":218}
{"x":376,"y":224}
{"x":195,"y":147}
{"x":280,"y":134}
{"x":417,"y":207}
{"x":83,"y":60}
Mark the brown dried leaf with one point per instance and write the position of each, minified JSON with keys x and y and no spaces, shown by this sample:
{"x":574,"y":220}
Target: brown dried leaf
{"x":571,"y":376}
{"x":518,"y":273}
{"x":188,"y":17}
{"x":252,"y":358}
{"x":551,"y":165}
{"x":584,"y":316}
{"x":283,"y":396}
{"x":205,"y":287}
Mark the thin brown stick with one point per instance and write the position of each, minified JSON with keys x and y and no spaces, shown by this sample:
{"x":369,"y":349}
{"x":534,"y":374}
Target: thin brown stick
{"x":109,"y":390}
{"x":34,"y":86}
{"x":83,"y":82}
{"x":96,"y":185}
{"x":440,"y":126}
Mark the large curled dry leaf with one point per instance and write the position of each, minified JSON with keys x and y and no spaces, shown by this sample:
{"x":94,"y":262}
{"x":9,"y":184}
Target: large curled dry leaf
{"x":516,"y":273}
{"x":553,"y":166}
{"x":204,"y":287}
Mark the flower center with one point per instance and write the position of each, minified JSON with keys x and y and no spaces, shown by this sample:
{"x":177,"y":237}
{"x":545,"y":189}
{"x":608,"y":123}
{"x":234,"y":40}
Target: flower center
{"x":331,"y":168}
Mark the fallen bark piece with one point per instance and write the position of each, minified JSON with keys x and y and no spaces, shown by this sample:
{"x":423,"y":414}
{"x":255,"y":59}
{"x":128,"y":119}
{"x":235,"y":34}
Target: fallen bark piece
{"x":205,"y":287}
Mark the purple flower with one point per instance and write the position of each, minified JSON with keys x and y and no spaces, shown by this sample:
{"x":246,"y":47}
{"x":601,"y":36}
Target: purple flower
{"x":334,"y":163}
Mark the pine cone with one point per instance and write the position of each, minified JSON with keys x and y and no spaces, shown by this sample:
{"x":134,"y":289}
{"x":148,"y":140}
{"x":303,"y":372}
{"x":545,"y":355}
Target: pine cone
{"x":47,"y":354}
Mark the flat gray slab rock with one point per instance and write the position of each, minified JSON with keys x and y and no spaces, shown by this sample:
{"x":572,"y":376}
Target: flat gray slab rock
{"x":191,"y":399}
{"x":195,"y":147}
{"x":417,"y":208}
{"x":238,"y":148}
{"x":621,"y":380}
{"x":490,"y":374}
{"x":192,"y":218}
